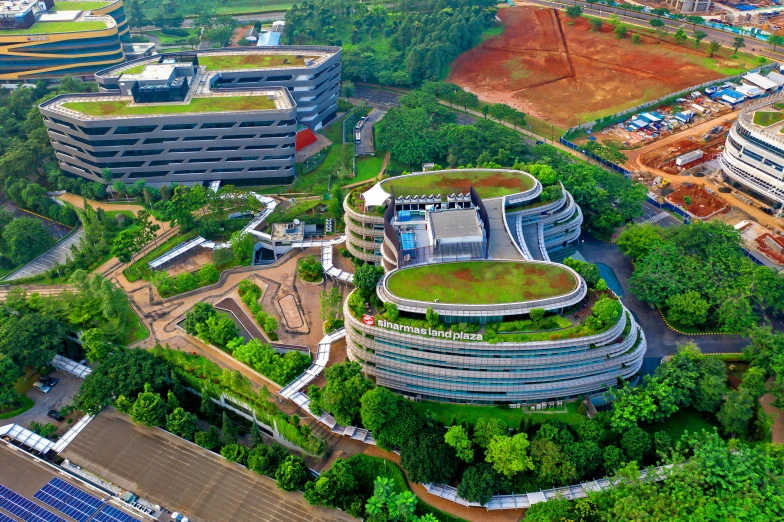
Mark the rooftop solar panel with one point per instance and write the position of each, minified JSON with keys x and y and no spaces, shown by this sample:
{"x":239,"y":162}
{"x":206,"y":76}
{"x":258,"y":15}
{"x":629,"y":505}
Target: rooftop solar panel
{"x":5,"y":518}
{"x":24,"y":508}
{"x":68,"y":499}
{"x":112,"y":514}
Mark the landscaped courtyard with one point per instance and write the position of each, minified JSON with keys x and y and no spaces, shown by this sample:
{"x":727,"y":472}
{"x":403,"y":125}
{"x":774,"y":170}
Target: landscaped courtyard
{"x":481,"y":282}
{"x":488,"y":184}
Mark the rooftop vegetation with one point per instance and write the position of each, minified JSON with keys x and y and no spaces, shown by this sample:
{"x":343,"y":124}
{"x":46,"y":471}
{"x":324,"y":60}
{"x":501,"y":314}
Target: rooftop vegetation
{"x":251,"y":61}
{"x":57,"y":27}
{"x":490,"y":184}
{"x":481,"y":282}
{"x":79,"y":6}
{"x":196,"y":105}
{"x":766,"y":119}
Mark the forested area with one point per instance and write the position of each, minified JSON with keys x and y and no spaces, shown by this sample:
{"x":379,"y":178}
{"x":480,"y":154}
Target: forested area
{"x":91,"y":321}
{"x":699,"y":276}
{"x":416,"y":41}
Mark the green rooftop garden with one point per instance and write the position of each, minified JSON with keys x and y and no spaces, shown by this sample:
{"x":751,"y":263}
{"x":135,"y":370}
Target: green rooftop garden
{"x":251,"y":61}
{"x":766,"y":119}
{"x":79,"y":6}
{"x":481,"y":282}
{"x":135,"y":70}
{"x":57,"y":27}
{"x":487,"y":184}
{"x":197,"y":105}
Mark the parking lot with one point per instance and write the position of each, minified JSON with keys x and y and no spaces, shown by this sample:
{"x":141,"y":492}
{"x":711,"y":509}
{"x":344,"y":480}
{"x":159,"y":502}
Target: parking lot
{"x":59,"y":396}
{"x":57,"y":254}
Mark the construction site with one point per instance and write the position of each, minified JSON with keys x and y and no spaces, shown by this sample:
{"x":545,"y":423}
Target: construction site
{"x":687,"y":151}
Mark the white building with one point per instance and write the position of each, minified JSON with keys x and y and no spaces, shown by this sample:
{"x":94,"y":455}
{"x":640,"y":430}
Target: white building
{"x":753,"y":158}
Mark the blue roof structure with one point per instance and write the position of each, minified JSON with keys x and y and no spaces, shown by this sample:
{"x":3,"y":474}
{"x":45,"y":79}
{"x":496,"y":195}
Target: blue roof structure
{"x":408,"y":241}
{"x":730,"y":95}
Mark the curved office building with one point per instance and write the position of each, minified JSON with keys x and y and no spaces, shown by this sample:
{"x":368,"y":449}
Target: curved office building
{"x":753,"y":156}
{"x":36,"y":44}
{"x":473,"y":246}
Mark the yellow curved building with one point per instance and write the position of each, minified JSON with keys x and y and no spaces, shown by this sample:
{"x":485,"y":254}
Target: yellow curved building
{"x":72,"y":38}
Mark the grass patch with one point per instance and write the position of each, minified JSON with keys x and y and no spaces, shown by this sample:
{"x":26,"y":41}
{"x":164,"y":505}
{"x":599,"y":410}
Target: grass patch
{"x":57,"y":27}
{"x":23,"y":404}
{"x":135,"y":70}
{"x":486,"y":184}
{"x":452,"y":413}
{"x":135,"y":331}
{"x":299,"y":210}
{"x":139,"y":268}
{"x":368,"y":168}
{"x":79,"y":6}
{"x":481,"y":282}
{"x":490,"y":32}
{"x":317,"y":181}
{"x":173,"y":39}
{"x":543,"y":128}
{"x":252,"y":61}
{"x":766,"y":119}
{"x":197,"y":105}
{"x":678,"y":423}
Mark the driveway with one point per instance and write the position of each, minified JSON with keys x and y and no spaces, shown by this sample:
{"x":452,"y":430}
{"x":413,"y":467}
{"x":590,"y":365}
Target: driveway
{"x":57,"y":254}
{"x":61,"y":395}
{"x":366,"y":147}
{"x":661,"y":339}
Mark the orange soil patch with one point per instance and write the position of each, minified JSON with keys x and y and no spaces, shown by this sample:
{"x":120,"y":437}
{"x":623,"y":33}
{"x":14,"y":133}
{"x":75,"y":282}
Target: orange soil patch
{"x":663,"y":158}
{"x":567,"y":74}
{"x":769,"y":251}
{"x":702,"y":204}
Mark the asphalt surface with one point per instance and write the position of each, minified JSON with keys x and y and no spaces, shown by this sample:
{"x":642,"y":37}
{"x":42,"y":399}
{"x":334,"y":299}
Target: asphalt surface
{"x":643,"y":19}
{"x":61,"y":395}
{"x":181,"y":476}
{"x":661,"y":339}
{"x":384,"y":100}
{"x":366,"y":146}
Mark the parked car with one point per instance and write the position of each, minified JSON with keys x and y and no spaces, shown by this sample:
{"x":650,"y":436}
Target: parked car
{"x":49,"y":381}
{"x":54,"y":414}
{"x":41,"y":386}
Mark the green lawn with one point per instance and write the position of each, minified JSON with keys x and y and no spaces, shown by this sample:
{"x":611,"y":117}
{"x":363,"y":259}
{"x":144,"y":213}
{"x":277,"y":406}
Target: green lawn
{"x":135,"y":70}
{"x":136,"y":331}
{"x":139,"y":268}
{"x":57,"y":27}
{"x":197,"y":105}
{"x":481,"y":282}
{"x":683,"y":420}
{"x":251,"y":61}
{"x":368,"y":168}
{"x":766,"y":119}
{"x":451,"y":413}
{"x":486,"y":184}
{"x":79,"y":6}
{"x":317,"y":181}
{"x":298,"y":210}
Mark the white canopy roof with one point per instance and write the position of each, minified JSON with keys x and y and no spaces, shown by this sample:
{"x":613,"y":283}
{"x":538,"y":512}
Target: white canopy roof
{"x":376,"y":196}
{"x":760,"y":81}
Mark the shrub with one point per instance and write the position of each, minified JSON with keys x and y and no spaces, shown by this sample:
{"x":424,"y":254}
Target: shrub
{"x":310,"y":269}
{"x":208,"y":439}
{"x":292,"y":474}
{"x":235,"y":453}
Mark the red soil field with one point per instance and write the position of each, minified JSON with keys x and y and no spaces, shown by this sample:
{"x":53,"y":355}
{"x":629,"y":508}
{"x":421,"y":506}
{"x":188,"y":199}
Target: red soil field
{"x":702,"y":204}
{"x":566,"y":74}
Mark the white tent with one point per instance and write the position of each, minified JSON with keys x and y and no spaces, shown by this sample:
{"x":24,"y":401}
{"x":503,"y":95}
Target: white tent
{"x":376,"y":196}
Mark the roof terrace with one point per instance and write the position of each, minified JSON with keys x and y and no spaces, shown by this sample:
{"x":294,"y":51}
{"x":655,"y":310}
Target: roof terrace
{"x":482,"y":282}
{"x":487,"y":183}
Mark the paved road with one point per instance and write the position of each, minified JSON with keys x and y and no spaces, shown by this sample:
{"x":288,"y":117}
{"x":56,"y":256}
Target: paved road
{"x":367,"y":146}
{"x":56,"y":254}
{"x":661,"y":339}
{"x":643,"y":19}
{"x":383,"y":100}
{"x":278,"y":15}
{"x":656,"y":216}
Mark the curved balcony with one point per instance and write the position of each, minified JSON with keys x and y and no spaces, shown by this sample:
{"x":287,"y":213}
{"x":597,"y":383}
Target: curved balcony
{"x":361,"y":254}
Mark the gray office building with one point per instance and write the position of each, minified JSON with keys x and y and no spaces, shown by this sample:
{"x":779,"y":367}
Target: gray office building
{"x":173,"y":118}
